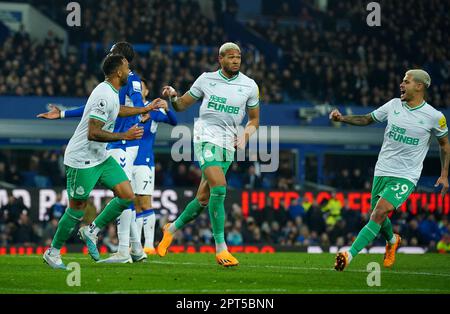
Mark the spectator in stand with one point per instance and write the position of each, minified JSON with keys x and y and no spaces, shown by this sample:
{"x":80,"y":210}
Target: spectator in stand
{"x":234,"y":177}
{"x":13,"y":209}
{"x":357,"y":179}
{"x":235,"y":237}
{"x":296,"y":209}
{"x":332,"y":210}
{"x":194,"y":175}
{"x":411,"y":234}
{"x":429,"y":230}
{"x":57,"y":209}
{"x":110,"y":239}
{"x":24,"y":231}
{"x":315,"y":219}
{"x":443,"y":245}
{"x":251,"y":179}
{"x":48,"y":231}
{"x":181,"y":178}
{"x":3,"y":174}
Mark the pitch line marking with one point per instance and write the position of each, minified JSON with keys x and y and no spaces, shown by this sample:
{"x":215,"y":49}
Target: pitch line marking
{"x":312,"y":268}
{"x":273,"y":266}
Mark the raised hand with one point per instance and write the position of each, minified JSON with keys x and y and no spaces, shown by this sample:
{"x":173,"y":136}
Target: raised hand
{"x":169,"y":91}
{"x":155,"y":104}
{"x":335,"y":115}
{"x":239,"y":142}
{"x":53,"y":114}
{"x":444,"y":182}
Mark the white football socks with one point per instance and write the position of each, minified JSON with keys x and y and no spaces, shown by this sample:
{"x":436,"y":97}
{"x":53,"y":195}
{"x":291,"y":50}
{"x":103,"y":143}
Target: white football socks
{"x":350,"y":257}
{"x":123,"y":231}
{"x":135,"y":238}
{"x":221,"y":247}
{"x":149,"y":230}
{"x":393,"y":240}
{"x":54,"y":251}
{"x":94,"y":229}
{"x":172,"y":229}
{"x":139,"y":224}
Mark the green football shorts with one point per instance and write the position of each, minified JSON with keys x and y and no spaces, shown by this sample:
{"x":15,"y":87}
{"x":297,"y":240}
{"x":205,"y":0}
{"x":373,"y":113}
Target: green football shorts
{"x":209,"y":154}
{"x":395,"y":190}
{"x":80,"y":182}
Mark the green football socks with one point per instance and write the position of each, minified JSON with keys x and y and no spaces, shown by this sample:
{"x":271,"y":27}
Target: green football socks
{"x":365,"y":236}
{"x":111,"y":211}
{"x":386,"y":230}
{"x":66,"y":225}
{"x":217,"y":213}
{"x":192,"y":211}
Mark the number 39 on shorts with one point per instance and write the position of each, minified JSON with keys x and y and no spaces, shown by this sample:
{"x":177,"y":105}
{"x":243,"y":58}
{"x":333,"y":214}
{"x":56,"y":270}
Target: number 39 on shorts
{"x":403,"y":187}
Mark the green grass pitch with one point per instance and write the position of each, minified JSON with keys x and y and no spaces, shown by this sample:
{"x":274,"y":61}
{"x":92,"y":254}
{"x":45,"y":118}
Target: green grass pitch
{"x":257,"y":274}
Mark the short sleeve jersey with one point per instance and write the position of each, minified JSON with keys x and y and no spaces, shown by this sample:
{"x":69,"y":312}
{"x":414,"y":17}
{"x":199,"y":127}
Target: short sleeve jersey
{"x":407,"y":137}
{"x":224,"y":104}
{"x":102,"y":104}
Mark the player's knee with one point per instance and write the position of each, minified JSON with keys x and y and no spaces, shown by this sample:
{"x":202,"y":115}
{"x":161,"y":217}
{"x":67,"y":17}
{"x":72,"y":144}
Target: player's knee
{"x":379,"y":214}
{"x":126,"y":194}
{"x":125,"y":202}
{"x":78,"y":204}
{"x":218,"y":191}
{"x":203,"y":201}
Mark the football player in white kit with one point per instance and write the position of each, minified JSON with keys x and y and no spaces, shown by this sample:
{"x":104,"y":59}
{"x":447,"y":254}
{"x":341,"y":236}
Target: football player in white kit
{"x":227,"y":94}
{"x":411,"y":122}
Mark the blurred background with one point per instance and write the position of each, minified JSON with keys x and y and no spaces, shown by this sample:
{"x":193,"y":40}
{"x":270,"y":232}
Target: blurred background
{"x":307,"y":56}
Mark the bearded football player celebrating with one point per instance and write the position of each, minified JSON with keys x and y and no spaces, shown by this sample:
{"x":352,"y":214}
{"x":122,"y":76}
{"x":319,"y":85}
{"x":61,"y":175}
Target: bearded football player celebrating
{"x":87,"y":161}
{"x":124,"y":152}
{"x":411,"y":122}
{"x":227,"y":94}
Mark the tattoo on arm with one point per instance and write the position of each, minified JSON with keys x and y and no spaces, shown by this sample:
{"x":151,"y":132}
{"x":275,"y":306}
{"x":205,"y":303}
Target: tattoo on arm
{"x":97,"y":134}
{"x":360,"y":120}
{"x":130,"y":111}
{"x":444,"y":150}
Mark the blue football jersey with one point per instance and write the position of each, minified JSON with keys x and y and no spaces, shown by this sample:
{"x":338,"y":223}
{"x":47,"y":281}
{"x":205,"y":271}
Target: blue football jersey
{"x":129,"y":95}
{"x":145,"y":154}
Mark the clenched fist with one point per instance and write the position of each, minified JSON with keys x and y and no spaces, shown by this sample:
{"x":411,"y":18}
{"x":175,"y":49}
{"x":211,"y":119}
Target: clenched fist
{"x":335,"y":115}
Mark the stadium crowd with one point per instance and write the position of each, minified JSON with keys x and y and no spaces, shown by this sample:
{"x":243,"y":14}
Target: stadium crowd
{"x":45,"y":169}
{"x":335,"y":56}
{"x":326,"y":56}
{"x":298,"y":224}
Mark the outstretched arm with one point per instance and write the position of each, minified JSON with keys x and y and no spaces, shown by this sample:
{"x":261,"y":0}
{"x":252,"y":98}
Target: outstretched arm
{"x":359,"y":120}
{"x":134,"y":111}
{"x":97,"y":134}
{"x":178,"y":103}
{"x":166,"y":117}
{"x":56,"y":113}
{"x":444,"y":148}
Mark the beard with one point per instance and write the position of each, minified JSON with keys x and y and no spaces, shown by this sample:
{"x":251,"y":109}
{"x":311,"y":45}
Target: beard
{"x":230,"y":71}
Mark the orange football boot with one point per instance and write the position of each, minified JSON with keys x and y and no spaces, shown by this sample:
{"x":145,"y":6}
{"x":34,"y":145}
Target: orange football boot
{"x":225,"y":259}
{"x":341,"y":261}
{"x":149,"y":251}
{"x":389,"y":256}
{"x":163,"y":246}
